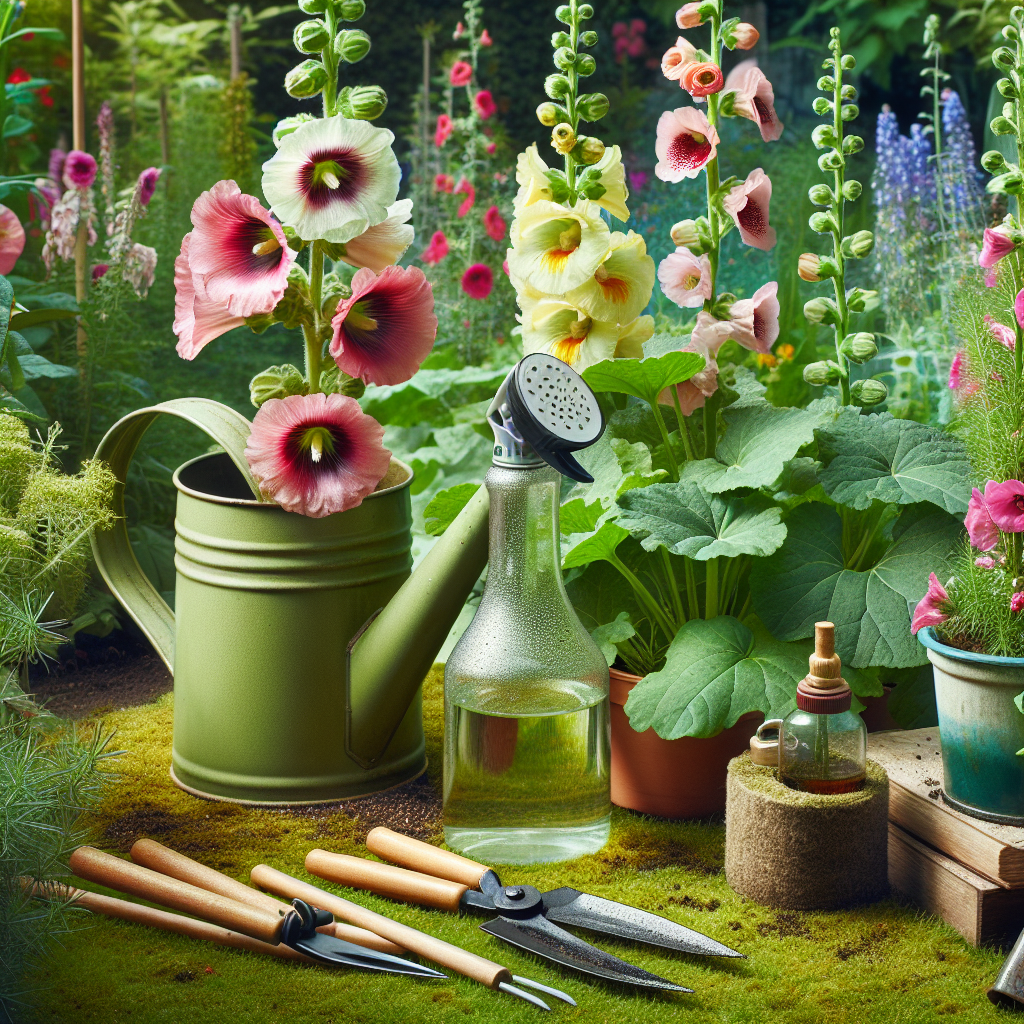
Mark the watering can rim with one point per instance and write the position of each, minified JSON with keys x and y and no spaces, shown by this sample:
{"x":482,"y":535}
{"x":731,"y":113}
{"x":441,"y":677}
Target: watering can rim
{"x":217,"y":499}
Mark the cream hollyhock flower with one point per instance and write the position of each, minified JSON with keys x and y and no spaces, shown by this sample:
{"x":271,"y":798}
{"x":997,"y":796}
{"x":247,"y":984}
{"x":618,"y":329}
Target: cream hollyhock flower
{"x":555,"y":248}
{"x":612,"y":175}
{"x":531,"y":176}
{"x":633,"y":336}
{"x":333,"y":178}
{"x":385,"y":243}
{"x":561,"y":330}
{"x":621,"y":285}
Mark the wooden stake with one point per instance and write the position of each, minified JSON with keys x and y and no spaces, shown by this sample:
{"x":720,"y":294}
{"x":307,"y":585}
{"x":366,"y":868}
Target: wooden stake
{"x":235,"y":29}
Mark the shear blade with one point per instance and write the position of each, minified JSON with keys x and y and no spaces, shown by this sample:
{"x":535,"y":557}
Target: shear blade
{"x":539,"y":936}
{"x":596,"y":914}
{"x":327,"y":949}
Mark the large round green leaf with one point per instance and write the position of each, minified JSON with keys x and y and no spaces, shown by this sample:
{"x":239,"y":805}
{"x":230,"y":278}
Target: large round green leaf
{"x":643,"y":378}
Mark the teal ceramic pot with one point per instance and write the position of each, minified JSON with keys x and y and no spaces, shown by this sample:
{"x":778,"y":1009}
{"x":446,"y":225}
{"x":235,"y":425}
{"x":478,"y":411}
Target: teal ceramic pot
{"x":981,"y":730}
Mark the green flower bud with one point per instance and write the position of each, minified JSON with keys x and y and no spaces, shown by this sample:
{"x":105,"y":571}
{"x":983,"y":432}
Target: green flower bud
{"x":288,"y":125}
{"x":1008,"y":110}
{"x":588,"y":39}
{"x":311,"y":36}
{"x":585,"y":11}
{"x":334,"y":381}
{"x":362,"y":102}
{"x":860,"y":300}
{"x":1006,"y":89}
{"x":564,"y":14}
{"x":559,"y":39}
{"x":305,"y":79}
{"x":824,"y":136}
{"x":592,"y":106}
{"x":822,"y":106}
{"x":588,"y":150}
{"x":821,"y":311}
{"x":558,"y":185}
{"x":564,"y":58}
{"x":585,"y":65}
{"x":557,"y":87}
{"x":589,"y":188}
{"x":821,"y":195}
{"x":826,"y":83}
{"x":848,"y":92}
{"x":313,"y":6}
{"x":1002,"y":126}
{"x":1011,"y":183}
{"x":550,"y":114}
{"x":351,"y":10}
{"x":809,"y":267}
{"x":859,"y":348}
{"x":850,"y":112}
{"x":858,"y":245}
{"x":1010,"y":33}
{"x":831,"y":161}
{"x":848,"y":63}
{"x":852,"y":144}
{"x":822,"y":222}
{"x":563,"y":138}
{"x":821,"y":373}
{"x":351,"y":45}
{"x":993,"y":161}
{"x":868,"y":392}
{"x":259,"y":322}
{"x":277,"y":382}
{"x":684,"y":233}
{"x":1004,"y":58}
{"x":852,"y":190}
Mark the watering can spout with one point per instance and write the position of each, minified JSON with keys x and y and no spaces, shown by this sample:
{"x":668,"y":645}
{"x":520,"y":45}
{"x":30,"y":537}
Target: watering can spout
{"x":391,"y":654}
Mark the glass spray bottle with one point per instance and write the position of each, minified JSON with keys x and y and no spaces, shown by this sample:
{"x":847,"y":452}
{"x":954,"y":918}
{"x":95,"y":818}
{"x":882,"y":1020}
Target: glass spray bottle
{"x":527,"y":734}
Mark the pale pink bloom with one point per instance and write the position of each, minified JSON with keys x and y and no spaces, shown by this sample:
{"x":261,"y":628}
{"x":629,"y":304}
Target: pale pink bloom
{"x":238,"y":254}
{"x":747,"y":204}
{"x":483,"y":103}
{"x":494,"y":224}
{"x":705,"y":341}
{"x":1017,"y":602}
{"x":437,"y":250}
{"x":995,"y":245}
{"x":753,"y":98}
{"x":485,"y":38}
{"x":686,"y":142}
{"x":755,"y":321}
{"x":745,"y":36}
{"x":197,"y":320}
{"x":1006,"y":504}
{"x":956,"y":371}
{"x":140,"y":268}
{"x":477,"y":281}
{"x":461,"y":73}
{"x":386,"y":328}
{"x":985,"y":562}
{"x":79,"y":169}
{"x":709,"y":334}
{"x":147,"y":184}
{"x":383,"y":244}
{"x":460,"y":31}
{"x":982,"y":531}
{"x":316,"y":454}
{"x":676,"y":59}
{"x":701,"y":78}
{"x":467,"y":204}
{"x":444,"y":129}
{"x":685,"y":278}
{"x":933,"y":608}
{"x":688,"y":16}
{"x":12,"y":239}
{"x":1003,"y":334}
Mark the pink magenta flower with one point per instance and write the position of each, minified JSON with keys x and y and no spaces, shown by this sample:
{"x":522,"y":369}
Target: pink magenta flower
{"x":461,"y":73}
{"x":483,"y":103}
{"x":701,"y":78}
{"x":747,"y":204}
{"x":745,"y":36}
{"x":460,"y":31}
{"x":485,"y":38}
{"x":685,"y":278}
{"x":444,"y":129}
{"x":494,"y":224}
{"x":12,"y":239}
{"x":197,"y":320}
{"x":1018,"y":308}
{"x":981,"y":529}
{"x":686,"y":142}
{"x":1006,"y":505}
{"x":492,"y":148}
{"x":677,"y":58}
{"x":79,"y":169}
{"x":956,"y":371}
{"x":99,"y":270}
{"x":1017,"y":602}
{"x":437,"y":250}
{"x":147,"y":184}
{"x":933,"y":608}
{"x":1003,"y":334}
{"x":444,"y":183}
{"x":316,"y":454}
{"x":985,"y":562}
{"x":386,"y":328}
{"x":688,"y":16}
{"x":994,"y":246}
{"x":755,"y":321}
{"x":754,"y":98}
{"x":477,"y":281}
{"x":464,"y":187}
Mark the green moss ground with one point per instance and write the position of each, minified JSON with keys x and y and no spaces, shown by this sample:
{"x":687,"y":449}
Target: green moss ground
{"x":886,"y":963}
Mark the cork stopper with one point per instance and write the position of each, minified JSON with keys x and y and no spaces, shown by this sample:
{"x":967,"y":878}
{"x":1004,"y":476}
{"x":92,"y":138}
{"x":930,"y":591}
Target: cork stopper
{"x":823,"y":691}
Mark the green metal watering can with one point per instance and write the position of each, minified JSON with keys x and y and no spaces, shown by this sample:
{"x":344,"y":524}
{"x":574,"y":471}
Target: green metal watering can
{"x":298,"y":646}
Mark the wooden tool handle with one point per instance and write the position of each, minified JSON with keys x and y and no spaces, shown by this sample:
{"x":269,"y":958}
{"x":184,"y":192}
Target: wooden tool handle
{"x":123,"y":875}
{"x":385,"y":880}
{"x":417,"y":856}
{"x":444,"y":953}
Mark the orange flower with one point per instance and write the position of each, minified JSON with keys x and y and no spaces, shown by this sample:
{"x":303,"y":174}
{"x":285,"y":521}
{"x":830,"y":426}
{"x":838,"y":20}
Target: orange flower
{"x":785,"y":352}
{"x":701,"y":79}
{"x":766,"y":359}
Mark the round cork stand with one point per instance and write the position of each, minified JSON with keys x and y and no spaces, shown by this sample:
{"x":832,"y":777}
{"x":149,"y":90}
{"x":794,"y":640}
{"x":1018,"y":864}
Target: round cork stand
{"x":805,"y":851}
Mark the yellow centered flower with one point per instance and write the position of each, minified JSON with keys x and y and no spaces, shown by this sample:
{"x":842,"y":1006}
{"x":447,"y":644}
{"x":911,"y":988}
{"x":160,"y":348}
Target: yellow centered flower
{"x":622,"y":285}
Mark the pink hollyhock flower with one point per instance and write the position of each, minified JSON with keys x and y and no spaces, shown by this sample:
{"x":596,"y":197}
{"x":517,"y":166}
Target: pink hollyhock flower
{"x":17,"y":76}
{"x":985,"y":562}
{"x":1018,"y":307}
{"x":755,"y":321}
{"x":619,"y":29}
{"x":485,"y":38}
{"x":483,"y":103}
{"x":437,"y":250}
{"x":494,"y":224}
{"x":753,"y":98}
{"x":464,"y":187}
{"x":444,"y":183}
{"x":492,"y":148}
{"x":386,"y":327}
{"x":383,"y":244}
{"x":685,"y":278}
{"x":12,"y":239}
{"x":99,"y":270}
{"x":504,"y":267}
{"x":444,"y":130}
{"x":1003,"y":334}
{"x":705,"y":341}
{"x":461,"y":73}
{"x":677,"y":58}
{"x":79,"y":170}
{"x":688,"y":16}
{"x":745,"y":36}
{"x":982,"y":531}
{"x":933,"y":608}
{"x":956,"y":371}
{"x":995,"y":245}
{"x":992,"y":278}
{"x":1017,"y":602}
{"x":477,"y":281}
{"x":686,"y":142}
{"x":1006,"y":505}
{"x":460,"y":31}
{"x":701,"y":78}
{"x":747,"y":204}
{"x":637,"y":180}
{"x":316,"y":454}
{"x":147,"y":184}
{"x":197,"y":320}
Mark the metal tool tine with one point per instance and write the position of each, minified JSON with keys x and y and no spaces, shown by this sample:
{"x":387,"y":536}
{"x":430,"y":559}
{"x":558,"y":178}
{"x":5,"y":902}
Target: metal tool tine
{"x":504,"y":986}
{"x":544,"y":988}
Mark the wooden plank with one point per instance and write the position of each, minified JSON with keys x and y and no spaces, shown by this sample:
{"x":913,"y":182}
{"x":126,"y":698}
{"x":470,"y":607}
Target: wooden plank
{"x":913,"y":760}
{"x":984,"y":913}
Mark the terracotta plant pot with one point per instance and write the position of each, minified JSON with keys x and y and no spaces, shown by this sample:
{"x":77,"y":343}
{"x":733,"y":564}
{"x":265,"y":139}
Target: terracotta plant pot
{"x":682,"y":778}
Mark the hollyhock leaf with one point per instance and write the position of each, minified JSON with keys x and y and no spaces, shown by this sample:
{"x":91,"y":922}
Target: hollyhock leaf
{"x":880,"y":458}
{"x":598,"y":591}
{"x":716,"y":671}
{"x":617,"y":466}
{"x":443,"y":508}
{"x":643,"y":378}
{"x":583,"y":549}
{"x":806,"y":581}
{"x":612,"y":633}
{"x":688,"y":521}
{"x":432,"y":395}
{"x":34,"y":366}
{"x":576,"y":516}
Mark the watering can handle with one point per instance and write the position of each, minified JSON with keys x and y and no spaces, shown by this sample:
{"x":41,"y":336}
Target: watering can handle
{"x":113,"y":550}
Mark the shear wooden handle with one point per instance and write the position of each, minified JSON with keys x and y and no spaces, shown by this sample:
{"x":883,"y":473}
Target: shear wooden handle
{"x":123,"y":875}
{"x":151,"y":854}
{"x":385,"y":880}
{"x":444,"y":953}
{"x":418,"y":856}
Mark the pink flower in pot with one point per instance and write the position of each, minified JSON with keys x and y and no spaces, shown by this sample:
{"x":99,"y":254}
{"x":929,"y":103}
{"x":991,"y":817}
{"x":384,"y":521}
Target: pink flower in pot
{"x":934,"y":608}
{"x":1006,"y":504}
{"x":981,"y":528}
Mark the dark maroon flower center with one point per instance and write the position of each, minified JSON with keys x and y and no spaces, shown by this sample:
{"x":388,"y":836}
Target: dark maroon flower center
{"x":759,"y":325}
{"x":765,"y":114}
{"x":315,"y":449}
{"x":687,"y":151}
{"x":247,"y":234}
{"x":751,"y":219}
{"x":1018,"y":500}
{"x":332,"y":175}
